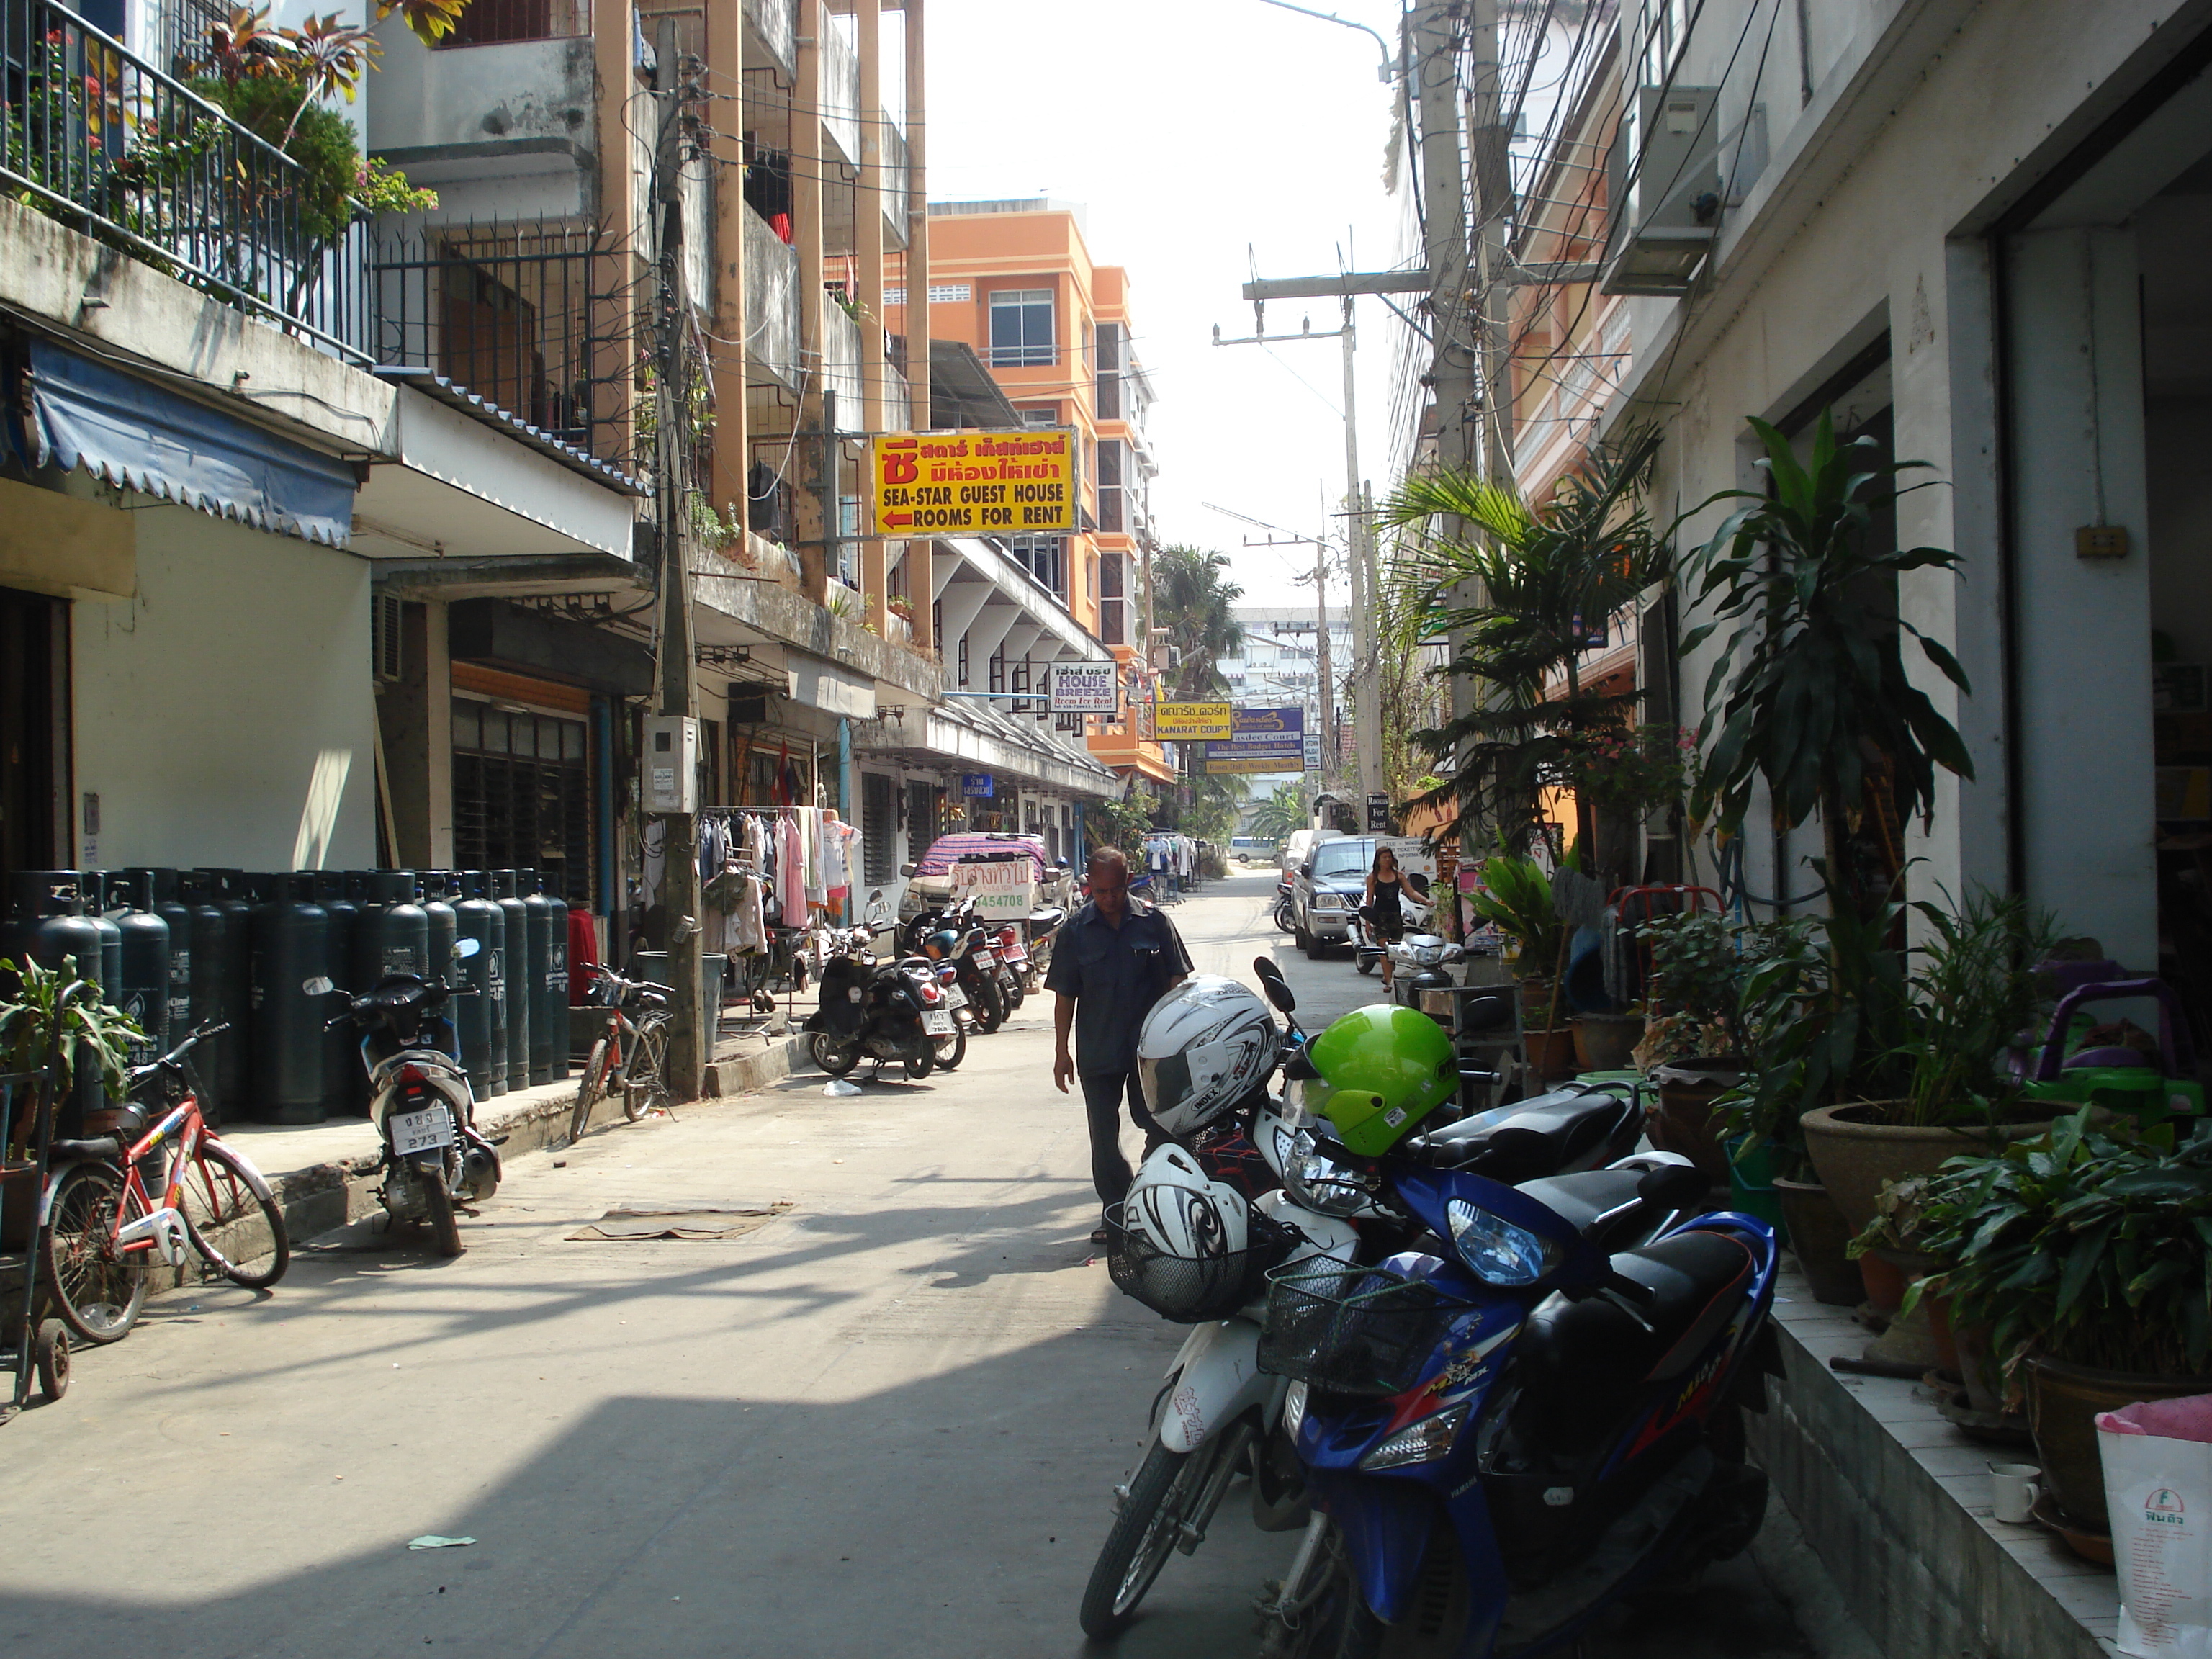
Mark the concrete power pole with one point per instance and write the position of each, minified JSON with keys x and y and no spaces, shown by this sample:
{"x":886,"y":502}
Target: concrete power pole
{"x":688,"y":1048}
{"x":1366,"y":597}
{"x":1490,"y":188}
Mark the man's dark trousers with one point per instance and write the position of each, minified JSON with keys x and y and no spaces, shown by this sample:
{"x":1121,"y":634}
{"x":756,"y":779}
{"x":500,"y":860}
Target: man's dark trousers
{"x":1102,"y":1104}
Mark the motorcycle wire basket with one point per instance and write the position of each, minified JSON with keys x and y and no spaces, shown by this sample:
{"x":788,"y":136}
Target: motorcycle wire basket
{"x":1352,"y":1330}
{"x":1192,"y":1290}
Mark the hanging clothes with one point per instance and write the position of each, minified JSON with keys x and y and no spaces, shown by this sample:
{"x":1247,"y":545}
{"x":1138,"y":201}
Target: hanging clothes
{"x":791,"y":871}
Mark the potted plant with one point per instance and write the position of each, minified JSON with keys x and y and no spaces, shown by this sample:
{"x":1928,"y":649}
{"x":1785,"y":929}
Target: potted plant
{"x":1691,"y":1045}
{"x":1941,"y":1089}
{"x":46,"y":1034}
{"x":2085,"y":1253}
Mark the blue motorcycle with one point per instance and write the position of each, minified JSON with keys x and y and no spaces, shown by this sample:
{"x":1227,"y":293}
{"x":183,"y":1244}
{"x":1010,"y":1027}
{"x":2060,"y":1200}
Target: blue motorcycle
{"x":1503,"y":1445}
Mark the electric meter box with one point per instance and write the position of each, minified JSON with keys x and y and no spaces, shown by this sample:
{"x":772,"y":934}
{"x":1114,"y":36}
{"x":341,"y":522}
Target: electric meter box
{"x":671,"y":763}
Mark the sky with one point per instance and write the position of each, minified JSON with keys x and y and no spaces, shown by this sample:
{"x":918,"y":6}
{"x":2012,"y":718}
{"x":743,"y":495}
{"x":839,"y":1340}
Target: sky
{"x":1200,"y":135}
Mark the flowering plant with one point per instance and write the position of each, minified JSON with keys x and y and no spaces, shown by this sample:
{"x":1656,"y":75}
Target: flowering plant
{"x":1633,"y":769}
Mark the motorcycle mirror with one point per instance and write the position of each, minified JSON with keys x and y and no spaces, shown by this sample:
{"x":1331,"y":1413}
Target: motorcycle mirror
{"x":906,"y":870}
{"x":1278,"y":992}
{"x":465,"y":948}
{"x":316,"y":986}
{"x":1674,"y":1186}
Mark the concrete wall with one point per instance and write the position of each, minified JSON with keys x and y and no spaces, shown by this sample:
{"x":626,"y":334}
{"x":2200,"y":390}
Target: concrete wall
{"x":223,"y":716}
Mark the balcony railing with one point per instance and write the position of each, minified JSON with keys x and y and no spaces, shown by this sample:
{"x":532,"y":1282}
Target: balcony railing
{"x":107,"y":144}
{"x":771,"y":300}
{"x":519,"y":313}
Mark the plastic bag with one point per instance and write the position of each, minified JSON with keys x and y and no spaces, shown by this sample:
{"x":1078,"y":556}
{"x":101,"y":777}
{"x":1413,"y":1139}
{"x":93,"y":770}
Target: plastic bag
{"x":2158,"y":1491}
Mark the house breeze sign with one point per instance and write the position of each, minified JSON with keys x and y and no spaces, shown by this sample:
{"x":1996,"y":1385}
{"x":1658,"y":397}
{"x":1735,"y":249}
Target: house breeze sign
{"x":974,"y":484}
{"x":1086,"y":688}
{"x":1260,"y":740}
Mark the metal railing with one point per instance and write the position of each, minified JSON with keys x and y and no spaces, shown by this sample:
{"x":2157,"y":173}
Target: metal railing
{"x":104,"y":142}
{"x":519,"y":313}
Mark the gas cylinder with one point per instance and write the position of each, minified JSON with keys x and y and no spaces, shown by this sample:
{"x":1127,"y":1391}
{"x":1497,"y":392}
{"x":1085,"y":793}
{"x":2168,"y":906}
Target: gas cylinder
{"x":553,"y":992}
{"x":291,"y":945}
{"x":538,"y":954}
{"x":48,"y":925}
{"x":232,"y":894}
{"x":169,"y":906}
{"x":143,"y":990}
{"x":516,"y":968}
{"x":93,"y":885}
{"x":345,"y":1084}
{"x":393,"y":933}
{"x":481,"y":1020}
{"x":209,"y":924}
{"x":434,"y":892}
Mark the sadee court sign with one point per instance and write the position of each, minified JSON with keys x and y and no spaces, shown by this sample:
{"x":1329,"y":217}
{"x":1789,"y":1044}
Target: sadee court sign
{"x":974,"y":484}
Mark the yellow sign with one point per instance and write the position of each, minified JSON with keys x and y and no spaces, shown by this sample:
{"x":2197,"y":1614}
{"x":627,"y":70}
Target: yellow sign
{"x":975,"y":483}
{"x":1191,"y":722}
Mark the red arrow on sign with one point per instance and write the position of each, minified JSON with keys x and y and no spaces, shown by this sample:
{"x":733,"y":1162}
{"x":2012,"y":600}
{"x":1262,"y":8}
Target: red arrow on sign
{"x":893,"y":520}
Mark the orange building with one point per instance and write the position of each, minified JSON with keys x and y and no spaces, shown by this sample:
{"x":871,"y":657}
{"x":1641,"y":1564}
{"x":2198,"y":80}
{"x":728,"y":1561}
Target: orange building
{"x":1014,"y":282}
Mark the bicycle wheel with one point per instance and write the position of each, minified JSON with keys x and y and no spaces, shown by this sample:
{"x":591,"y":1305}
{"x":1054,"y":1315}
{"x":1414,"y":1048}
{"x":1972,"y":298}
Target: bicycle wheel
{"x":219,"y":1190}
{"x":97,"y":1287}
{"x":644,"y":1085}
{"x":588,"y":1091}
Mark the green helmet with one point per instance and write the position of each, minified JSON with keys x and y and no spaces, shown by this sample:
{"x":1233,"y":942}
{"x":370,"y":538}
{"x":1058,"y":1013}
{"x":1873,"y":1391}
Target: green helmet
{"x":1387,"y":1068}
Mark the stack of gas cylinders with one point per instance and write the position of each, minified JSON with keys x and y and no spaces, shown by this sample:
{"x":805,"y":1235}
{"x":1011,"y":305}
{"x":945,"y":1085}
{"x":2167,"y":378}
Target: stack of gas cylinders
{"x":175,"y":948}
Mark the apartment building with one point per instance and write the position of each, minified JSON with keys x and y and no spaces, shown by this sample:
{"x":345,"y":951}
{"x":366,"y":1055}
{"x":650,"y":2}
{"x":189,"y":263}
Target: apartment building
{"x":1014,"y":281}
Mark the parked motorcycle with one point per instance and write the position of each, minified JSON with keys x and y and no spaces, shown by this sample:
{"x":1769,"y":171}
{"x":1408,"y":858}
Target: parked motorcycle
{"x":433,"y":1158}
{"x":1285,"y":915}
{"x":970,"y":988}
{"x":1565,"y":1417}
{"x":1418,"y":962}
{"x":1416,"y":906}
{"x":1188,"y":1249}
{"x":880,"y":1010}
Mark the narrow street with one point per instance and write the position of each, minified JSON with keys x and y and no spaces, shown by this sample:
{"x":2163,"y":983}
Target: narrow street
{"x":887,"y":1420}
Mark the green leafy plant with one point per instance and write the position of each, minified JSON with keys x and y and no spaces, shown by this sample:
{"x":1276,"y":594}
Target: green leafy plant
{"x":1633,"y":770}
{"x":1549,"y":577}
{"x":1516,"y":897}
{"x":1282,"y":814}
{"x":56,"y":1024}
{"x":1696,"y":967}
{"x":2091,"y":1245}
{"x":1810,"y":691}
{"x":1974,"y":994}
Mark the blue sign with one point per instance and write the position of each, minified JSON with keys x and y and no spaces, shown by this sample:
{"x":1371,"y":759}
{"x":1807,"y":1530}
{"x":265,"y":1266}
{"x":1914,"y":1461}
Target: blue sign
{"x":975,"y":786}
{"x":1265,"y":740}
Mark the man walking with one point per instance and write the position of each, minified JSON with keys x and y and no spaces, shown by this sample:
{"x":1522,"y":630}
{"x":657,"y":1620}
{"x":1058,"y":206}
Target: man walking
{"x":1115,"y":959}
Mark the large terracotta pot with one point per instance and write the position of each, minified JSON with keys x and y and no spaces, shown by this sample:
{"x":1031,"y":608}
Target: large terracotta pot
{"x":1856,"y":1154}
{"x":1682,"y":1121}
{"x":1606,"y":1043}
{"x":1535,"y":999}
{"x":1985,"y":1390}
{"x":1818,"y":1238}
{"x":1551,"y":1054}
{"x":2062,"y":1403}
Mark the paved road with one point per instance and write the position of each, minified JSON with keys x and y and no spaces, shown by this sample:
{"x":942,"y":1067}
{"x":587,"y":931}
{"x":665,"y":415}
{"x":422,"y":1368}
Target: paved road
{"x":886,"y":1421}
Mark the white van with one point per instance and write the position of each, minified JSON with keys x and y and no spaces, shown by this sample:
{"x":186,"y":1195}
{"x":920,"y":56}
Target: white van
{"x":1301,"y":843}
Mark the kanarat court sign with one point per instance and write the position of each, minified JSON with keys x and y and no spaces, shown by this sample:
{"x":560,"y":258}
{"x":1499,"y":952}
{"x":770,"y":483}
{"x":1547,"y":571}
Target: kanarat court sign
{"x":974,"y":484}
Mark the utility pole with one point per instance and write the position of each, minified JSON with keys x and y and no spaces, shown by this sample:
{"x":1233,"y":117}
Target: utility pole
{"x":687,"y":1046}
{"x":1359,"y":544}
{"x":1490,"y":188}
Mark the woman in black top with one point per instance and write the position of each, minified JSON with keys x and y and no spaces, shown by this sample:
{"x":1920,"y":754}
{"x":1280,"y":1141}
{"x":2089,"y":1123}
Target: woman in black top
{"x":1385,"y":887}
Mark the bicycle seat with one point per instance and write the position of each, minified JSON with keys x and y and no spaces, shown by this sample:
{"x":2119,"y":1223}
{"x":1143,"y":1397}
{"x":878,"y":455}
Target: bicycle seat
{"x":85,"y":1152}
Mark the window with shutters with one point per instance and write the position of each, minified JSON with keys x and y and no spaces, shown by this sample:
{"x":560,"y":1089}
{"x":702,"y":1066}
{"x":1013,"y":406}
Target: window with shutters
{"x":921,"y":820}
{"x":522,"y":797}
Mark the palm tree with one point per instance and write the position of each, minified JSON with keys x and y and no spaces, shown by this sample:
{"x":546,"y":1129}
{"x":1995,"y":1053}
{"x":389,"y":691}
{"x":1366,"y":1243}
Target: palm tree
{"x":1191,"y":601}
{"x":1547,"y":578}
{"x":1282,"y":814}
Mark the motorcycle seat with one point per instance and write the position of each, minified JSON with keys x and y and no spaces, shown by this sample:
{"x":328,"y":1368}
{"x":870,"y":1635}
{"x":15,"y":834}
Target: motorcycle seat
{"x":1599,"y":1204}
{"x":1539,"y":1137}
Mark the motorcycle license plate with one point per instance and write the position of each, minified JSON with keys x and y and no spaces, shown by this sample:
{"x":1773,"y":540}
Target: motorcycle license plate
{"x":985,"y":959}
{"x":955,"y":997}
{"x":937,"y":1021}
{"x":1016,"y":954}
{"x":420,"y":1132}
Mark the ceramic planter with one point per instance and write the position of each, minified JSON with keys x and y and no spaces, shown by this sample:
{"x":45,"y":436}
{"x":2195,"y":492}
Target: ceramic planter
{"x":2062,"y":1403}
{"x":1855,"y":1155}
{"x":1606,"y":1043}
{"x":1818,"y":1236}
{"x":1551,"y":1054}
{"x":1682,"y":1121}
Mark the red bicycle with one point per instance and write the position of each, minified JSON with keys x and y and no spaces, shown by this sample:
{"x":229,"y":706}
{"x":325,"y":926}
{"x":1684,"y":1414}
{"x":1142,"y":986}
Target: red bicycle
{"x":637,"y":1009}
{"x":104,"y":1233}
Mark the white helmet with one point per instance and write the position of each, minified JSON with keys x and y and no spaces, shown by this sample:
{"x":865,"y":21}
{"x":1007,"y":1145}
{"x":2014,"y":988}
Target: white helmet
{"x":1183,"y":1234}
{"x":1205,"y":1046}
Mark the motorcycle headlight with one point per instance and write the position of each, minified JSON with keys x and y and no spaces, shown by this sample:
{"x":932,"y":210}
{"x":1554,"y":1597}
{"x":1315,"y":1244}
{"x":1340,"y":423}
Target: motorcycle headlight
{"x":1497,"y":1251}
{"x":1423,"y":1442}
{"x":1322,"y":1183}
{"x":1429,"y":955}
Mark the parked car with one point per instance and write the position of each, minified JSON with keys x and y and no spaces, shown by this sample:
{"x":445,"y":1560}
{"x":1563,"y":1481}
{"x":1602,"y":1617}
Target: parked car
{"x":1301,"y":843}
{"x":1330,"y":883}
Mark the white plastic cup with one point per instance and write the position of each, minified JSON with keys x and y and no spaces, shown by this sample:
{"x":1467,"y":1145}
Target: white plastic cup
{"x":2012,"y":1490}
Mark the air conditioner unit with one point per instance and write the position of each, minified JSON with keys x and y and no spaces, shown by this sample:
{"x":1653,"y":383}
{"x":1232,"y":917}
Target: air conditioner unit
{"x":1664,"y":178}
{"x":384,"y":618}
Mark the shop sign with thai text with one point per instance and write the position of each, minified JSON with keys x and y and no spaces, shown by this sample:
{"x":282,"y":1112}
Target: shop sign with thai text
{"x":974,"y":484}
{"x":1260,"y":740}
{"x":1191,"y":722}
{"x":1086,"y":688}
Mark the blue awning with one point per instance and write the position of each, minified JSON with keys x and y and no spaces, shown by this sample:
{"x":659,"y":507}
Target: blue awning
{"x":134,"y":434}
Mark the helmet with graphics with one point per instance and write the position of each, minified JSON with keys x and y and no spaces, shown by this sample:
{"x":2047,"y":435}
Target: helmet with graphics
{"x":1204,"y":1047}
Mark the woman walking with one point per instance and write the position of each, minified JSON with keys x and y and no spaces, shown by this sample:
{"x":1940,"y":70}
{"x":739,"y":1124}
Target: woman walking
{"x":1385,"y":887}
